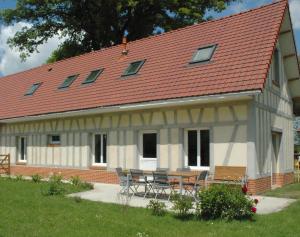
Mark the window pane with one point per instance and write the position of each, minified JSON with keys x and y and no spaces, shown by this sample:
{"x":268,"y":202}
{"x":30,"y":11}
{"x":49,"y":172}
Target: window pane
{"x":204,"y":147}
{"x":33,"y":88}
{"x":22,"y":148}
{"x":93,"y":76}
{"x":104,"y":147}
{"x":133,"y":68}
{"x":149,"y":145}
{"x":203,"y":54}
{"x":97,"y":148}
{"x":192,"y":148}
{"x":68,"y":81}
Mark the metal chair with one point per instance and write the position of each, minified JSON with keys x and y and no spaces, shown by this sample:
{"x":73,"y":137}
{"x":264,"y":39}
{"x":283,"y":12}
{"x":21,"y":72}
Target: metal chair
{"x":139,"y":179}
{"x":124,"y":181}
{"x":192,"y":188}
{"x":161,"y":183}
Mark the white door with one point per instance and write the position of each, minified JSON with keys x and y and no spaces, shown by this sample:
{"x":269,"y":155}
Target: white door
{"x":22,"y":149}
{"x":148,"y":150}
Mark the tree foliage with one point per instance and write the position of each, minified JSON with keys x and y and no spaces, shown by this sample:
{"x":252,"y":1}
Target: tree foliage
{"x":87,"y":25}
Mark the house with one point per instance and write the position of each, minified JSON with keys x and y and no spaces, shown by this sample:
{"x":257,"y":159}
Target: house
{"x":222,"y":92}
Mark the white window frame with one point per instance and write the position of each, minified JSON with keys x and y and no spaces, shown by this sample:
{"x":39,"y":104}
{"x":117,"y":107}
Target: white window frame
{"x":198,"y":167}
{"x":101,"y":151}
{"x":142,"y":148}
{"x":19,"y":149}
{"x":51,"y":142}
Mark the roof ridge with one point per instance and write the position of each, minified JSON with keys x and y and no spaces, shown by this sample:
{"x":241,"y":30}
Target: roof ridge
{"x":150,"y":37}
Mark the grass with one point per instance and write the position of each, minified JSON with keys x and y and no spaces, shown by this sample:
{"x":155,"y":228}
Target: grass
{"x":24,"y":211}
{"x":289,"y":191}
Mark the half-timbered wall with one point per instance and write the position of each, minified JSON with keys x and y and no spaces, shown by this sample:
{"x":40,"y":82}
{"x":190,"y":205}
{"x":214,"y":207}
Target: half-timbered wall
{"x":227,"y":123}
{"x":273,"y":111}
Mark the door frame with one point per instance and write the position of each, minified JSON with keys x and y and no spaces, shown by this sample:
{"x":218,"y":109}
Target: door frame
{"x":141,"y":159}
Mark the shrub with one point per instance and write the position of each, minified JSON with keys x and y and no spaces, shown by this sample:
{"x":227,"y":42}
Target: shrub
{"x":157,"y":208}
{"x":86,"y":185}
{"x":75,"y":180}
{"x":55,"y":186}
{"x":224,"y":202}
{"x":56,"y":178}
{"x":181,"y":205}
{"x":19,"y":177}
{"x":36,"y":178}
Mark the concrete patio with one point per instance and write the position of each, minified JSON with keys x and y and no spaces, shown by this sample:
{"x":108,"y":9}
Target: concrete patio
{"x":108,"y":193}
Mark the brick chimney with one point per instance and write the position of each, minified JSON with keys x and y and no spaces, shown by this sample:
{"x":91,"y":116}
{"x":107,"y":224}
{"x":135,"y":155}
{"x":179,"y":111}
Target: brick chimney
{"x":124,"y":42}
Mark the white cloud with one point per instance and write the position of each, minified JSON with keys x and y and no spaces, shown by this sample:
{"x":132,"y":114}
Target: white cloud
{"x":10,"y":61}
{"x":295,"y":13}
{"x":244,"y":5}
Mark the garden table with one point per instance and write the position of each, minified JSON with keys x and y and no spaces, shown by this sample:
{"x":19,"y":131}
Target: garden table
{"x":180,"y":175}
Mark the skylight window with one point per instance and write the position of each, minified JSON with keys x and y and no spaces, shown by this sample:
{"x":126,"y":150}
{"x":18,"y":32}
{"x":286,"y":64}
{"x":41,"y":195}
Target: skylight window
{"x":93,"y":76}
{"x":33,"y":88}
{"x":133,"y":68}
{"x":204,"y":54}
{"x":67,"y":83}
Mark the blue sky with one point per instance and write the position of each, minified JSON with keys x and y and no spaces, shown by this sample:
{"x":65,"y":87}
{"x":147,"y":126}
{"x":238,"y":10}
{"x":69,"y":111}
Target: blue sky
{"x":11,"y":63}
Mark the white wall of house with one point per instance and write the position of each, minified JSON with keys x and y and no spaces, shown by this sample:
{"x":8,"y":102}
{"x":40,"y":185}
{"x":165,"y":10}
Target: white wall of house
{"x":272,"y":111}
{"x":227,"y":123}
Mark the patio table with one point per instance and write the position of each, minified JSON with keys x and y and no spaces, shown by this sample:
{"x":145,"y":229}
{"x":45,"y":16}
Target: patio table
{"x":180,"y":175}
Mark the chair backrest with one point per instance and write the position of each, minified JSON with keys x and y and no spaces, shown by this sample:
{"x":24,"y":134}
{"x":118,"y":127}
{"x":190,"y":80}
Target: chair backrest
{"x":120,"y":172}
{"x":202,"y":176}
{"x":230,"y":173}
{"x":184,"y":169}
{"x":136,"y":174}
{"x":160,"y":177}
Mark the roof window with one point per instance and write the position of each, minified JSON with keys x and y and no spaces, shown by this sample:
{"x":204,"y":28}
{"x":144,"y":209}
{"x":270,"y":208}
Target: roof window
{"x":33,"y":88}
{"x":204,"y":54}
{"x":68,"y":82}
{"x":92,"y":77}
{"x":133,"y":68}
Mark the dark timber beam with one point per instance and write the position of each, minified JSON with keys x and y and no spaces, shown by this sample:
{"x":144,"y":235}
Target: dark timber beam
{"x":285,"y":32}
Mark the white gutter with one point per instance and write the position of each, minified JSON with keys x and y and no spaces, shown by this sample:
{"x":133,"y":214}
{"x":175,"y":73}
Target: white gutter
{"x":138,"y":106}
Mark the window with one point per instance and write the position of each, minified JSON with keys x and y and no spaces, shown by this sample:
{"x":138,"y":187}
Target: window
{"x":197,"y":148}
{"x":22,"y":149}
{"x":100,"y":143}
{"x":149,"y":145}
{"x":92,"y":77}
{"x":33,"y":88}
{"x":276,"y":78}
{"x":204,"y":54}
{"x":133,"y":68}
{"x":68,"y":82}
{"x":54,"y":139}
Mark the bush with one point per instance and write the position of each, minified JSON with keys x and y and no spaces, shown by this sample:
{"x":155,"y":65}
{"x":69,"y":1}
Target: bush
{"x":55,"y":186}
{"x":86,"y":185}
{"x":157,"y":208}
{"x":56,"y":178}
{"x":75,"y":180}
{"x":36,"y":178}
{"x":181,"y":205}
{"x":19,"y":177}
{"x":224,"y":202}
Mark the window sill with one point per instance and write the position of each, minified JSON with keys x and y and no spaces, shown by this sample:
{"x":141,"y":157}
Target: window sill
{"x":199,"y":168}
{"x":21,"y":163}
{"x":98,"y":167}
{"x":54,"y":145}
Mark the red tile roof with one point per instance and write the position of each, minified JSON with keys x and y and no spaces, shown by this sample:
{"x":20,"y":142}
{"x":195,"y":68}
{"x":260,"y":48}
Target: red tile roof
{"x":245,"y":43}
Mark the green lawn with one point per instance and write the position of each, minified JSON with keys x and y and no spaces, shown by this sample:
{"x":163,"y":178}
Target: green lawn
{"x":24,"y":211}
{"x":289,"y":191}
